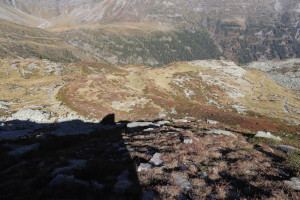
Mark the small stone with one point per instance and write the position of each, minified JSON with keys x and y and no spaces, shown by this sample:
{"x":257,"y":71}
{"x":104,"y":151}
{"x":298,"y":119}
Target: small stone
{"x":294,"y":183}
{"x":155,"y":160}
{"x":267,"y":135}
{"x":181,"y":120}
{"x":183,"y":183}
{"x":161,"y":123}
{"x":148,"y":130}
{"x":188,"y":140}
{"x":221,"y":132}
{"x":215,"y":171}
{"x":144,"y":167}
{"x":211,"y":121}
{"x":133,"y":125}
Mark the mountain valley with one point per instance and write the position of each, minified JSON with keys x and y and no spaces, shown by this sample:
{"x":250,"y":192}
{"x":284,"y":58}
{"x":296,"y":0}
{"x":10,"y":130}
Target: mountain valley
{"x":131,"y":99}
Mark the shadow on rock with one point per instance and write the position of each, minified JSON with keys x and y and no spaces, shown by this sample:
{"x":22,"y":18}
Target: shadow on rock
{"x":67,"y":160}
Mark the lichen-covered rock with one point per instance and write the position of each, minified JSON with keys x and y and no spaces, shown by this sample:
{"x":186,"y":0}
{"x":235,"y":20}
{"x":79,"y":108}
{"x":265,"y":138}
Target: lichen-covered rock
{"x":294,"y":183}
{"x":155,"y":160}
{"x":183,"y":183}
{"x":188,"y":140}
{"x":221,"y":132}
{"x":211,"y":121}
{"x":145,"y":167}
{"x":133,"y":125}
{"x":267,"y":135}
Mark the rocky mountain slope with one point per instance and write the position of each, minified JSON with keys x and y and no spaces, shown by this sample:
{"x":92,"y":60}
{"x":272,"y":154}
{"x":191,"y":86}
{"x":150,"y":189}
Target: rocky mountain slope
{"x":243,"y":31}
{"x":205,"y":129}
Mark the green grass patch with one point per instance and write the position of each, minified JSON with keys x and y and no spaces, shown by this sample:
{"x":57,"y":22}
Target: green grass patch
{"x":260,"y":140}
{"x":294,"y":160}
{"x":292,"y":140}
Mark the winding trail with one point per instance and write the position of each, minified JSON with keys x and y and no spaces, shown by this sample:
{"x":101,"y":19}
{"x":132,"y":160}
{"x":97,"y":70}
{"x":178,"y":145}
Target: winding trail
{"x":286,"y":109}
{"x":260,"y":86}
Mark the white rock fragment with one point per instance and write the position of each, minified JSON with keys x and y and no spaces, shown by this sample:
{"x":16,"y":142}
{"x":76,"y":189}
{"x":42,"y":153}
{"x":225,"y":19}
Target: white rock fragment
{"x":183,"y":183}
{"x":174,"y":111}
{"x":267,"y":135}
{"x":294,"y":183}
{"x":161,"y":123}
{"x":188,"y":140}
{"x":155,"y":160}
{"x":148,"y":130}
{"x":141,"y":125}
{"x":181,"y":120}
{"x":220,"y":132}
{"x":145,"y":167}
{"x":211,"y":121}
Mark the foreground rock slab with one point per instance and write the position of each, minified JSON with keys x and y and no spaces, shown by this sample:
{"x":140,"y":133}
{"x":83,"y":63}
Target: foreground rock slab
{"x":144,"y":167}
{"x":133,"y":125}
{"x":267,"y":135}
{"x":294,"y":183}
{"x":183,"y":183}
{"x":155,"y":160}
{"x":221,"y":132}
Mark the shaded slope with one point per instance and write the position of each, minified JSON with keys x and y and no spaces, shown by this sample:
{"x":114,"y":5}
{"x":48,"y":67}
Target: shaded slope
{"x":18,"y":41}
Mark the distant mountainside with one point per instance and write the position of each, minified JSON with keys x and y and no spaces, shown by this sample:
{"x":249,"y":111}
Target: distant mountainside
{"x":120,"y":31}
{"x":18,"y":41}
